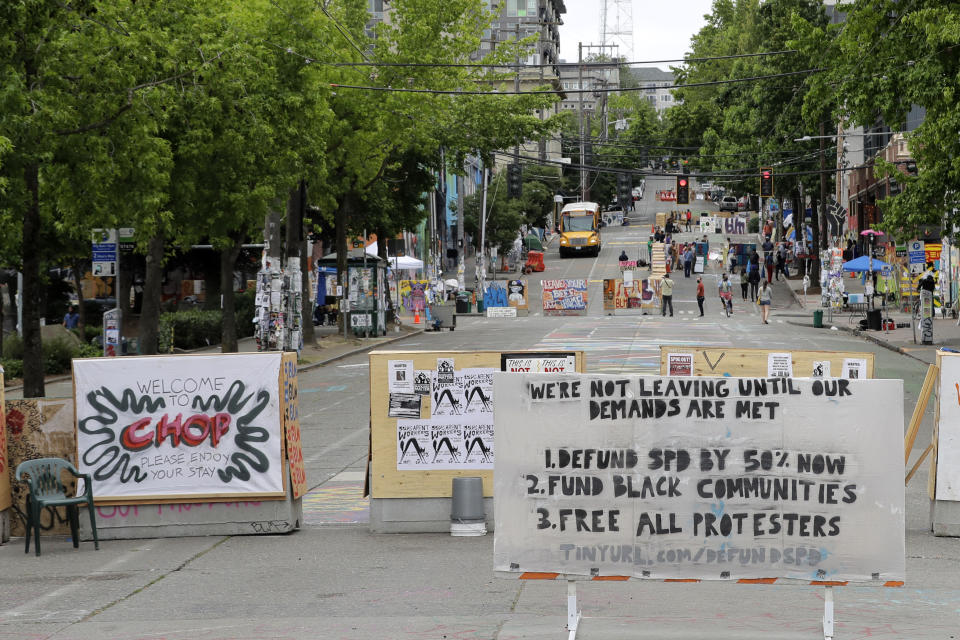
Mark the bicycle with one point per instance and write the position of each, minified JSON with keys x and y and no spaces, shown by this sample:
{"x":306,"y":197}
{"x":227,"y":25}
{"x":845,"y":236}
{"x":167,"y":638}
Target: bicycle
{"x":726,"y":298}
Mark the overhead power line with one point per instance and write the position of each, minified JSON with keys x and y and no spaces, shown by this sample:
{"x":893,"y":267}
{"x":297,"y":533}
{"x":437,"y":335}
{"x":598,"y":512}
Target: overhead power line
{"x":456,"y":92}
{"x":507,"y":65}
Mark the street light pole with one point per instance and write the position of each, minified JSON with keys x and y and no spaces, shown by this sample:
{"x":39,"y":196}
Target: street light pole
{"x":583,"y":161}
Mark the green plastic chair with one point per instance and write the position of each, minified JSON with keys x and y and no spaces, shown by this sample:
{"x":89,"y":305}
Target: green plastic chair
{"x":47,"y":490}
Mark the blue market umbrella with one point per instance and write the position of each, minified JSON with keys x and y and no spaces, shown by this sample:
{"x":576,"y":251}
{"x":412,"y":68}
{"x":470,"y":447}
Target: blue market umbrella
{"x":861,"y":264}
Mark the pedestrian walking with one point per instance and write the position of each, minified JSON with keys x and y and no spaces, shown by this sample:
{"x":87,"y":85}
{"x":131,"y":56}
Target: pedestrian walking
{"x":754,"y":275}
{"x":700,"y":294}
{"x":687,"y":262}
{"x":744,"y":280}
{"x":731,"y":259}
{"x":781,"y":262}
{"x":689,"y":221}
{"x":768,"y":264}
{"x":72,"y":318}
{"x":666,"y":295}
{"x":763,"y":299}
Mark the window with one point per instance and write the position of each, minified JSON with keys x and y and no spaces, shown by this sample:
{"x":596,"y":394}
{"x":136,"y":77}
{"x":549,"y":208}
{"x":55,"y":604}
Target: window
{"x":666,"y":98}
{"x":521,"y":8}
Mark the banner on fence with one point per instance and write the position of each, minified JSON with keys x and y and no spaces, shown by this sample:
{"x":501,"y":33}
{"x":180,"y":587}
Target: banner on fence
{"x":699,"y":478}
{"x":182,"y":427}
{"x":564,"y":297}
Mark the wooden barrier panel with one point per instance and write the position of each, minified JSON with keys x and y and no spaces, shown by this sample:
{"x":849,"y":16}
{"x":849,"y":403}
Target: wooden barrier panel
{"x":761,"y":363}
{"x":5,"y":488}
{"x":414,"y":456}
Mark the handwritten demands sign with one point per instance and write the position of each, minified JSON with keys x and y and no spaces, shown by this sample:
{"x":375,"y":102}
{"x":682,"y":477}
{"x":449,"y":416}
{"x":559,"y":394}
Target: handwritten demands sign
{"x":706,"y":478}
{"x":564,"y":297}
{"x":180,"y":426}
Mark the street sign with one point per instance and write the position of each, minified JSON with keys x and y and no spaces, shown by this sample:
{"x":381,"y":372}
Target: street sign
{"x":916,"y":253}
{"x":125,"y":239}
{"x":104,"y":250}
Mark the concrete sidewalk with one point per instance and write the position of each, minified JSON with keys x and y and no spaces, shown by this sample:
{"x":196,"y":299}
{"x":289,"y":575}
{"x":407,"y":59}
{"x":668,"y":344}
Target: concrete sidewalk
{"x":903,"y":339}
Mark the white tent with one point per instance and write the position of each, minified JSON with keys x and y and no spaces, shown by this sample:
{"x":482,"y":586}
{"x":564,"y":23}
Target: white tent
{"x":405,"y":262}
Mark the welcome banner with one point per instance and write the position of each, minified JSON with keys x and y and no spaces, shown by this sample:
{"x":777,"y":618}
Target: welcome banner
{"x":181,"y":427}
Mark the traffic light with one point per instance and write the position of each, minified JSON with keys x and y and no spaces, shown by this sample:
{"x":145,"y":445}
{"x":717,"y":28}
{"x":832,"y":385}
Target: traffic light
{"x":588,"y":153}
{"x":683,"y":190}
{"x":766,"y":183}
{"x":514,"y":180}
{"x":624,"y":189}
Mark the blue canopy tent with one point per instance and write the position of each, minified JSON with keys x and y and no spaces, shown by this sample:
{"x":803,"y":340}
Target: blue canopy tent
{"x":861,"y":264}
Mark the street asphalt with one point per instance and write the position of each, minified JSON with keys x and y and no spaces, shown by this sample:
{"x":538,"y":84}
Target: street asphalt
{"x":334,"y":579}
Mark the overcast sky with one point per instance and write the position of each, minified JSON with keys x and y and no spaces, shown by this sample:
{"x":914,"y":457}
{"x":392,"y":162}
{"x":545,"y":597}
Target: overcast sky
{"x":661,"y":28}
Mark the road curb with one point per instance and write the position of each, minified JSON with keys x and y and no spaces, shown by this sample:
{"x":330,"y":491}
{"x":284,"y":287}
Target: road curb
{"x":867,"y":337}
{"x":360,"y":349}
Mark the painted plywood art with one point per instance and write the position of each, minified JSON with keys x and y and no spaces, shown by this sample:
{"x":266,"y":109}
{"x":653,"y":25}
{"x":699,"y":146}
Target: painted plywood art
{"x":5,"y":500}
{"x":39,"y":428}
{"x":413,"y":295}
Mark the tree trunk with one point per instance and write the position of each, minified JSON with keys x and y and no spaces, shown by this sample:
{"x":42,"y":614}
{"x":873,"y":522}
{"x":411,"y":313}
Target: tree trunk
{"x":382,"y":243}
{"x":340,"y":231}
{"x":228,"y":260}
{"x":124,"y":282}
{"x":309,"y":337}
{"x":78,"y":284}
{"x":33,"y":373}
{"x":150,"y":310}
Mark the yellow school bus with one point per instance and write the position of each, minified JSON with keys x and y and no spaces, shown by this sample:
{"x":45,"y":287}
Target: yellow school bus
{"x":580,"y":229}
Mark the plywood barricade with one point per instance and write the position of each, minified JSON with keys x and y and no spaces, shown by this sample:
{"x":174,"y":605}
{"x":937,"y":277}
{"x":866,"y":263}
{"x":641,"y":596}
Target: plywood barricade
{"x":759,"y":363}
{"x":762,"y":481}
{"x":414,"y":452}
{"x":6,"y":495}
{"x":218,"y":431}
{"x":943,"y":481}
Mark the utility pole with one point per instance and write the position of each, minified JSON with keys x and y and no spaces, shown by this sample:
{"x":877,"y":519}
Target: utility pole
{"x":583,"y":170}
{"x":516,"y":89}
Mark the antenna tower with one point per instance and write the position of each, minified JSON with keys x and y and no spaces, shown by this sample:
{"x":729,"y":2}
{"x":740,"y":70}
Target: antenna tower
{"x":616,"y":26}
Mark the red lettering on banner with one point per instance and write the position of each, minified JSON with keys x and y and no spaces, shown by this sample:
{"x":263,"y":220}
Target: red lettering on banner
{"x":192,"y":432}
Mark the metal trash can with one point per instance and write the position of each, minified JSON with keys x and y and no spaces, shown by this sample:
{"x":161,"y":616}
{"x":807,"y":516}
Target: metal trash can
{"x":463,"y":303}
{"x":818,"y":319}
{"x":467,"y":516}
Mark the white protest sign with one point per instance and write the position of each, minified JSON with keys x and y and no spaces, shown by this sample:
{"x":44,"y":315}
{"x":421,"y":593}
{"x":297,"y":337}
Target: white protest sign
{"x":518,"y":363}
{"x":854,"y":368}
{"x":400,"y":374}
{"x":821,"y":369}
{"x":948,"y":428}
{"x":180,"y":426}
{"x":779,"y":365}
{"x":705,"y":478}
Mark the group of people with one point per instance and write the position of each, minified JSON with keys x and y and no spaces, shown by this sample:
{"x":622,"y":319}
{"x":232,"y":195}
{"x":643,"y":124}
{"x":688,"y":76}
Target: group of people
{"x":761,"y":292}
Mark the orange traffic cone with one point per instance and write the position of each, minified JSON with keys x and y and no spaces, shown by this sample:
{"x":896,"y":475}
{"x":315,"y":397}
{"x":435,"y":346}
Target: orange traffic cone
{"x":416,"y":317}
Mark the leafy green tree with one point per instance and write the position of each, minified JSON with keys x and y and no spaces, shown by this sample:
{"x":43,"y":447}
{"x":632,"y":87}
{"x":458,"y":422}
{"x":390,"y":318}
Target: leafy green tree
{"x":887,"y":57}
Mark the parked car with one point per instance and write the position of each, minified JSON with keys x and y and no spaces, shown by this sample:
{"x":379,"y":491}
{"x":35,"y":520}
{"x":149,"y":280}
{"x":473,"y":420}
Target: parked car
{"x":728,"y":203}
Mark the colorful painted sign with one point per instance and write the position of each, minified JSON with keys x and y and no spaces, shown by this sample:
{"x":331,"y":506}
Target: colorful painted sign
{"x":39,"y":428}
{"x":699,"y":478}
{"x":5,"y":496}
{"x":413,"y":295}
{"x":564,"y":297}
{"x":184,"y":427}
{"x":290,"y":386}
{"x":623,"y":295}
{"x":517,"y":296}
